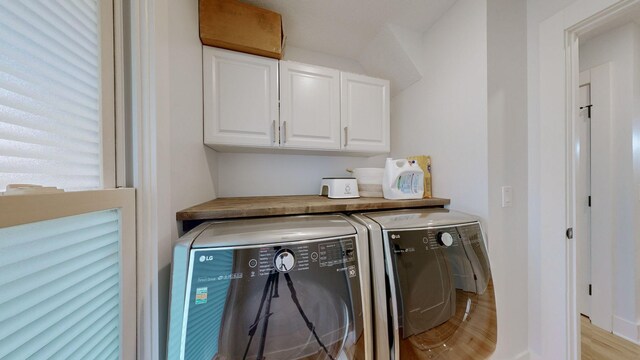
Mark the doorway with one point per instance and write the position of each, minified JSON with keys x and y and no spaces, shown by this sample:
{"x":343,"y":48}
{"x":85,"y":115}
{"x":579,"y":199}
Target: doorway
{"x":603,"y":159}
{"x":554,"y":316}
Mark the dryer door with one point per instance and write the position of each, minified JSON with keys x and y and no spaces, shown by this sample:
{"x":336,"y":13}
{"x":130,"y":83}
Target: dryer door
{"x":443,"y":304}
{"x":287,"y":301}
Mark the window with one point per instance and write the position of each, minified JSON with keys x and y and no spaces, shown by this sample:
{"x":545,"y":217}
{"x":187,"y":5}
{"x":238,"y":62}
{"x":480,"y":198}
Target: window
{"x":67,"y":260}
{"x":56,"y":105}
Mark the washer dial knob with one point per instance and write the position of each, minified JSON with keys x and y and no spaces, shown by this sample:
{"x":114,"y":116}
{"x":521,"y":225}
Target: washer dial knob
{"x":444,"y":238}
{"x":284,"y":261}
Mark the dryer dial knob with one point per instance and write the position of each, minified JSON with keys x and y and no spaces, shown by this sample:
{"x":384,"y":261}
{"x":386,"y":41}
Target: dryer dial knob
{"x":284,"y":261}
{"x":444,"y":238}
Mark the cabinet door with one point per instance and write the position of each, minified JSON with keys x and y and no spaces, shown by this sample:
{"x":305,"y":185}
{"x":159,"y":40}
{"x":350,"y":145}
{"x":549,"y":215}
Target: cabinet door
{"x":364,"y":113}
{"x":309,"y":106}
{"x":240,"y":99}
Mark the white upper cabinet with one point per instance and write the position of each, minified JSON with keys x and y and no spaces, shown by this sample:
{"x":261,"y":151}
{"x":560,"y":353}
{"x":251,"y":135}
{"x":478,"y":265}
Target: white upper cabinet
{"x":365,"y":113}
{"x":309,"y":106}
{"x":253,"y":102}
{"x":240,"y":99}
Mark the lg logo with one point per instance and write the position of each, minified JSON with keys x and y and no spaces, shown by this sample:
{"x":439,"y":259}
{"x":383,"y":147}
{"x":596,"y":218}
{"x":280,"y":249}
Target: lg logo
{"x":204,"y":258}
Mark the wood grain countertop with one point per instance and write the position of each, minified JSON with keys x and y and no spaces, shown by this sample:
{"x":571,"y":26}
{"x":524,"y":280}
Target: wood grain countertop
{"x":240,"y":207}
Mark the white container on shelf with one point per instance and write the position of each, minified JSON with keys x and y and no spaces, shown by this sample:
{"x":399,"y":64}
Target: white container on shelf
{"x":403,"y":179}
{"x":369,"y":181}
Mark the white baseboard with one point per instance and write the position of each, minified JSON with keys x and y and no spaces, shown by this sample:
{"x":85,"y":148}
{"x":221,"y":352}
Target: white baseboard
{"x":525,"y":355}
{"x":626,"y":329}
{"x":534,"y":356}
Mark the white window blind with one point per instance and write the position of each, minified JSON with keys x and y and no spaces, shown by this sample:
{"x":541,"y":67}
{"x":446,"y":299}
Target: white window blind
{"x":50,"y":93}
{"x":60,"y":288}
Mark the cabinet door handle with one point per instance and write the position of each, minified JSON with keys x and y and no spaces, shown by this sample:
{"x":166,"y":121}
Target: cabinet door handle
{"x":284,"y":129}
{"x":275,"y":133}
{"x":346,"y":135}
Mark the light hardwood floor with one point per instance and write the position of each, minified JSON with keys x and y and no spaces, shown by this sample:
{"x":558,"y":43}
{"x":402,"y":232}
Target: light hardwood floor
{"x":598,"y":344}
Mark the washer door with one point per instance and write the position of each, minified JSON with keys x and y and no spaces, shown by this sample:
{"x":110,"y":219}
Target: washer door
{"x":286,"y":301}
{"x":443,"y":304}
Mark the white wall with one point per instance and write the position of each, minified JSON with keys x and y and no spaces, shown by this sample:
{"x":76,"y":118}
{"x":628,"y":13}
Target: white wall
{"x":307,"y":56}
{"x":190,"y":166}
{"x":469,"y":113}
{"x":507,"y":166}
{"x":618,"y":47}
{"x":636,"y":165}
{"x":193,"y":165}
{"x":445,"y":114}
{"x":243,"y":174}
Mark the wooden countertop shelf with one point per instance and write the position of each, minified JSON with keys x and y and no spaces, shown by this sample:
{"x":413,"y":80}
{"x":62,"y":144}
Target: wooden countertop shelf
{"x":241,"y":207}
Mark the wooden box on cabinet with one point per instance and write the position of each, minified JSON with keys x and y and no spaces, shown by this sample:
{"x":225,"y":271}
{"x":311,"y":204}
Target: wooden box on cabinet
{"x":233,"y":25}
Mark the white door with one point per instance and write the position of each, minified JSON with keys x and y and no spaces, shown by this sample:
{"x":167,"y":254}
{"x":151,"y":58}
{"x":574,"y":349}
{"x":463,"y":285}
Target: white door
{"x":594,"y":199}
{"x":240,"y":99}
{"x":364,"y":113}
{"x":602,"y":198}
{"x":583,"y":202}
{"x":309,"y":106}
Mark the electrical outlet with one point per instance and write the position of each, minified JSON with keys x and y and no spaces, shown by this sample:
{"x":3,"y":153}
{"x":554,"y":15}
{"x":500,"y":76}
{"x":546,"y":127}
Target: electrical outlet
{"x":507,"y":196}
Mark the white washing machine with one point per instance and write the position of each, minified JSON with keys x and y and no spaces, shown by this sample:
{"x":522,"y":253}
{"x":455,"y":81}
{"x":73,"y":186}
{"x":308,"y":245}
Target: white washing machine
{"x":434,"y":296}
{"x":273,"y":288}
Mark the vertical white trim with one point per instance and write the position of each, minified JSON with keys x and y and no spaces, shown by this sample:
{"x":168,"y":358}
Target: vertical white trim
{"x":150,"y":115}
{"x":572,"y":81}
{"x":119,"y":94}
{"x":143,"y":128}
{"x":107,"y":99}
{"x":128,"y":278}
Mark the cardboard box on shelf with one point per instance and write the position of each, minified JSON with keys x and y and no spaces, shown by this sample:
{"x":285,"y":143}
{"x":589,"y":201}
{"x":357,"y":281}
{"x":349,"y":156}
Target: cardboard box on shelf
{"x":232,"y":25}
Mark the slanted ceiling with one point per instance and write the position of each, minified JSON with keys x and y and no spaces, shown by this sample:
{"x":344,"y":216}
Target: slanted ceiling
{"x":384,"y":36}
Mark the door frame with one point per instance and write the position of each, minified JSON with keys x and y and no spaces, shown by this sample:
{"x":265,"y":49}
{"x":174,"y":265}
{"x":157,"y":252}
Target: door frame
{"x":572,"y":72}
{"x":554,"y":330}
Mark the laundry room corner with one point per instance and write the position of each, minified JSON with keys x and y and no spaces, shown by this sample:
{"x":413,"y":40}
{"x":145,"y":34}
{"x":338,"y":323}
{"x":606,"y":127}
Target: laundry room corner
{"x":507,"y":171}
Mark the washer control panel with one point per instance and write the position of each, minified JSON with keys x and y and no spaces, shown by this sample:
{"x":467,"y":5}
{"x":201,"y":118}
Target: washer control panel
{"x":410,"y":241}
{"x":444,"y":238}
{"x":284,"y":260}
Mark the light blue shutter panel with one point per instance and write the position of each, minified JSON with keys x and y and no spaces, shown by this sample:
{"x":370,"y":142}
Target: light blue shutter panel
{"x":60,"y":288}
{"x":49,"y":93}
